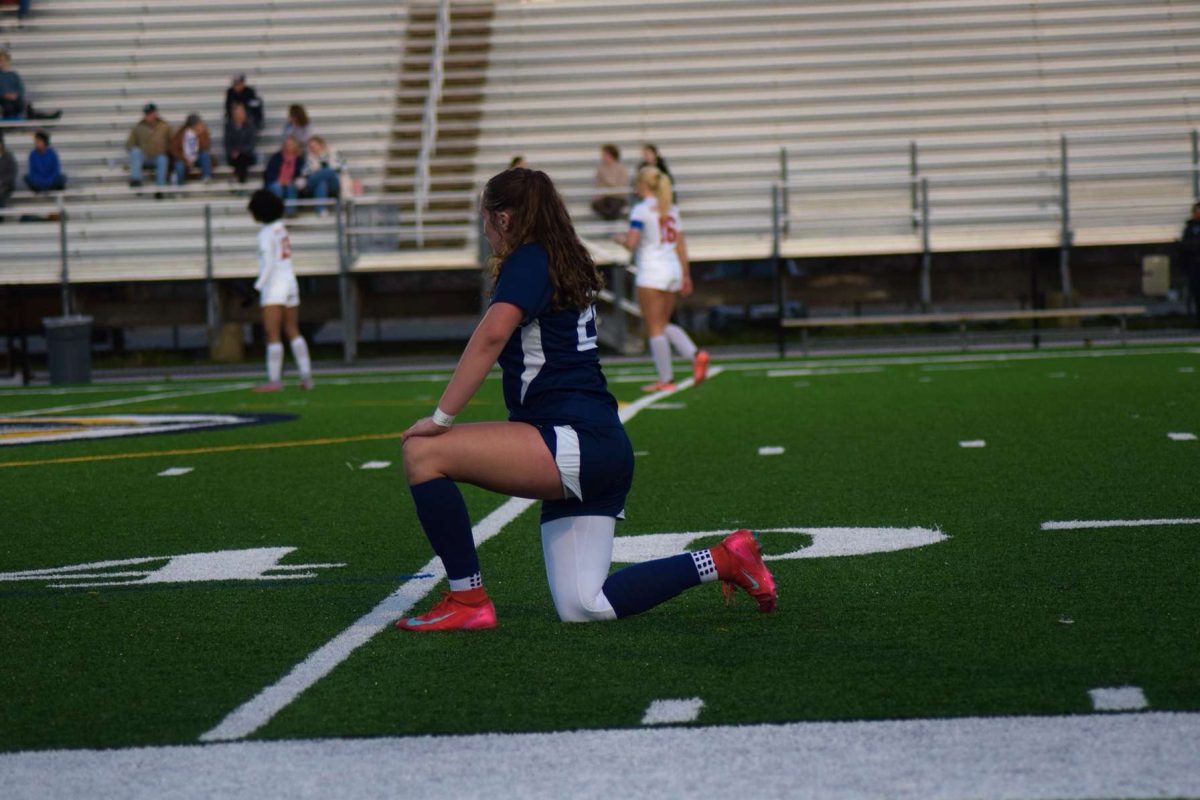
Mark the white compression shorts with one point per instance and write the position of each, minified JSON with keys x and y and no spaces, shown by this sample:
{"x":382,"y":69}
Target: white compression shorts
{"x":282,"y":290}
{"x":578,"y":552}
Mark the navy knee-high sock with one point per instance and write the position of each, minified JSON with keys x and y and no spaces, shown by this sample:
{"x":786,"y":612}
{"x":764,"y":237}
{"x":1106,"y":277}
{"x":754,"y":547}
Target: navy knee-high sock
{"x":643,"y":586}
{"x":443,"y":515}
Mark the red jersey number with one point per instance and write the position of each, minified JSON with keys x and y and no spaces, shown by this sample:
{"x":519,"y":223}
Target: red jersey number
{"x":667,"y":232}
{"x":285,"y":248}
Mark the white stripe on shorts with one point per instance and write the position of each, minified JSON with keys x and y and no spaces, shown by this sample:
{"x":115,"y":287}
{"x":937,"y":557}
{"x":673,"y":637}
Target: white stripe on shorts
{"x":566,"y":455}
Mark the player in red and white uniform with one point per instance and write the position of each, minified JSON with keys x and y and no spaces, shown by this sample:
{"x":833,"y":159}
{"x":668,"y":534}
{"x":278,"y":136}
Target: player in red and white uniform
{"x":279,"y":292}
{"x":656,"y":237}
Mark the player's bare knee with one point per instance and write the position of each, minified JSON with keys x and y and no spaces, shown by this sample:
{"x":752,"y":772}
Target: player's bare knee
{"x":419,"y":453}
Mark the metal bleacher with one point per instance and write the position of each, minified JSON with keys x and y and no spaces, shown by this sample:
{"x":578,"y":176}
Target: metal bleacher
{"x":99,"y":61}
{"x":841,"y":91}
{"x":828,"y":100}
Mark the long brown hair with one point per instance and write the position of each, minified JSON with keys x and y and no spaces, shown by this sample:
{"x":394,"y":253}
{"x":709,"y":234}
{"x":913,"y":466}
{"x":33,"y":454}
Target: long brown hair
{"x":539,"y":215}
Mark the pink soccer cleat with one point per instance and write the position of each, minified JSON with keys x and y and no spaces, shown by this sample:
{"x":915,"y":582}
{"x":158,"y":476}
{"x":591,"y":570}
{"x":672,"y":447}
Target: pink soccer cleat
{"x":469,"y":610}
{"x":659,"y":387}
{"x":699,"y":367}
{"x":740,"y":564}
{"x":269,"y":386}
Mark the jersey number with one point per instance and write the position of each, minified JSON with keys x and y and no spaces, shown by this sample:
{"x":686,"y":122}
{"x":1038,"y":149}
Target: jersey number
{"x":586,"y":329}
{"x":667,"y":232}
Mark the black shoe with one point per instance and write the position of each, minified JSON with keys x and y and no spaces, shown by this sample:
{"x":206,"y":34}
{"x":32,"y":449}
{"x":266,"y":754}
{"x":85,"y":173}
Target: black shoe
{"x":135,"y":184}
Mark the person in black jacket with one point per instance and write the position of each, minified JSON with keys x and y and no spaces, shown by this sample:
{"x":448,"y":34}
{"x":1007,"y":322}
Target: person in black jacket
{"x":241,"y":139}
{"x":239,"y":92}
{"x":1189,"y":258}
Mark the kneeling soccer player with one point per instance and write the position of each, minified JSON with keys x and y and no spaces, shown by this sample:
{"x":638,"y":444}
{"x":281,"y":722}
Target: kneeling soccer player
{"x":279,"y":293}
{"x":563,"y":442}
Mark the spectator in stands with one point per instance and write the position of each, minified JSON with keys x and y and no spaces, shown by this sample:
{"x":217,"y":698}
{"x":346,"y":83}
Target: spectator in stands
{"x":324,"y":173}
{"x":297,"y":126}
{"x":1189,"y":252}
{"x":12,"y":90}
{"x":150,"y":140}
{"x":239,"y":92}
{"x":518,"y":162}
{"x":652,"y":158}
{"x":13,"y":104}
{"x":45,"y":171}
{"x":612,"y":181}
{"x":191,"y":149}
{"x":8,"y":174}
{"x":23,"y":8}
{"x":282,"y":172}
{"x":241,"y":137}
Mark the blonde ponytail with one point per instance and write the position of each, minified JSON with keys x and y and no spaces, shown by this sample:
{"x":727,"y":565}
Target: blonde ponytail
{"x":659,"y":183}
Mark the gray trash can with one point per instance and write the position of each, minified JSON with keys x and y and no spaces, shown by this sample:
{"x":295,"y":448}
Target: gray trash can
{"x":69,"y":349}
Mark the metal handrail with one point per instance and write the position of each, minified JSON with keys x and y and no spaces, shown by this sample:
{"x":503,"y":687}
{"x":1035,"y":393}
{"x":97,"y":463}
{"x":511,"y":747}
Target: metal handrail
{"x":429,"y":125}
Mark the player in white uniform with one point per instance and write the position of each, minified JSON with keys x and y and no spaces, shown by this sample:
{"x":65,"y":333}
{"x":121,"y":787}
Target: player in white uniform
{"x":279,"y":293}
{"x":656,"y":237}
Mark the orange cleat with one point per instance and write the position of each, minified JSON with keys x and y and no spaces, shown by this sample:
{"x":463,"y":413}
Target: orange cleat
{"x":740,"y":564}
{"x":700,"y":368}
{"x":469,"y":610}
{"x":269,"y":386}
{"x":659,"y":387}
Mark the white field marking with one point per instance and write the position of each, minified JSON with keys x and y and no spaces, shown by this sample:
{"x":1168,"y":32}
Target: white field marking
{"x":633,"y":378}
{"x":1057,"y":375}
{"x":1120,"y":698}
{"x":770,"y":450}
{"x":175,"y":472}
{"x":826,"y":542}
{"x":924,"y":379}
{"x":955,"y":367}
{"x":125,"y":401}
{"x":1069,"y":757}
{"x":255,"y":564}
{"x":640,"y":453}
{"x":121,"y":424}
{"x":260,"y":709}
{"x":959,"y":358}
{"x":1085,"y":524}
{"x":804,"y":372}
{"x":667,"y":712}
{"x":973,"y":443}
{"x":376,"y":465}
{"x":668,"y":407}
{"x":1182,"y":437}
{"x":801,"y":384}
{"x":1187,"y":369}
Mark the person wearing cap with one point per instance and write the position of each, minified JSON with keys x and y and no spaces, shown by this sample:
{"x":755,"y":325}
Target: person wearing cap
{"x":149,"y":141}
{"x":239,"y":92}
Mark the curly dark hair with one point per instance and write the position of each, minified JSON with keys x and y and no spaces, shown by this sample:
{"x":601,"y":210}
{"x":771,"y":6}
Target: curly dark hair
{"x":265,"y":206}
{"x":539,"y":215}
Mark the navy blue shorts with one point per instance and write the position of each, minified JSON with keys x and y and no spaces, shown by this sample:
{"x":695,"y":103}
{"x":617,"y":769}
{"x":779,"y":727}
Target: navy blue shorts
{"x":596,"y":467}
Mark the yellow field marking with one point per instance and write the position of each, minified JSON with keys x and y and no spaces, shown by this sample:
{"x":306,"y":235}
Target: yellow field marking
{"x":196,"y":451}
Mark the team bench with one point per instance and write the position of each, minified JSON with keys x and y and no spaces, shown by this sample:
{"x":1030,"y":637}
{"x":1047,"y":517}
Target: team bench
{"x":959,"y":318}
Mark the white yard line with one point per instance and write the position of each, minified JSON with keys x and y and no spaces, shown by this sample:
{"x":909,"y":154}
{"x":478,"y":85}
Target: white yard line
{"x":261,"y":708}
{"x":1089,"y":524}
{"x":127,"y":401}
{"x":1079,"y":756}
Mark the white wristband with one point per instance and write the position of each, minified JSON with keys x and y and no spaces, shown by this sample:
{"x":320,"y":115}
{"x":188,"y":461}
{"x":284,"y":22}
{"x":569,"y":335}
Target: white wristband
{"x":442,"y":418}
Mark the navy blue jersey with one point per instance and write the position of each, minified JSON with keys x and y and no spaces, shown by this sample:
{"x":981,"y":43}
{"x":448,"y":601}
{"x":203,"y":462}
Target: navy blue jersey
{"x":551,"y":364}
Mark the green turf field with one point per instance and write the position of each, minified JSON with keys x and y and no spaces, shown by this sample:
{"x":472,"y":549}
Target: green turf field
{"x":1000,"y":617}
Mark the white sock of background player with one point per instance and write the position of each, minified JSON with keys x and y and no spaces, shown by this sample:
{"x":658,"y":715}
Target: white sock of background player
{"x":300,"y":353}
{"x":275,"y":362}
{"x":660,"y":348}
{"x":682,"y":343}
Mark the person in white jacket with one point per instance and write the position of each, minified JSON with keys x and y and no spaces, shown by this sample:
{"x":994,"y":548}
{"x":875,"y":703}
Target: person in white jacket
{"x":279,"y":292}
